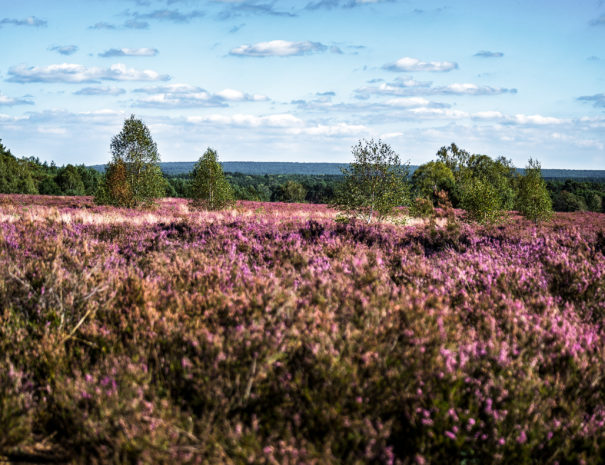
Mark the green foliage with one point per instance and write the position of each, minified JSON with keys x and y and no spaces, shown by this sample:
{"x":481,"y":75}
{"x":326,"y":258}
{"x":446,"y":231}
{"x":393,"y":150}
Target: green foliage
{"x":374,"y":184}
{"x":484,"y":187}
{"x":431,"y":178}
{"x":481,"y":201}
{"x":422,"y":208}
{"x":500,"y":173}
{"x":594,"y":202}
{"x":533,"y":200}
{"x":134,"y":163}
{"x":209,"y":188}
{"x":569,"y":202}
{"x":15,"y":175}
{"x":292,"y":191}
{"x":573,"y":195}
{"x":115,"y":188}
{"x":69,"y":181}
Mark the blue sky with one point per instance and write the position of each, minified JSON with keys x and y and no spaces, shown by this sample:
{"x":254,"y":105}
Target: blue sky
{"x":303,"y":80}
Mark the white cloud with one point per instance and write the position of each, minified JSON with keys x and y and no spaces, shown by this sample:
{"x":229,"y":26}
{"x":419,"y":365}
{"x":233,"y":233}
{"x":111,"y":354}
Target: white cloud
{"x":339,"y":129}
{"x":445,"y":113}
{"x":284,"y":122}
{"x":408,"y":64}
{"x":100,"y":90}
{"x":473,"y":89}
{"x":281,"y":120}
{"x":187,"y":96}
{"x":408,"y":102}
{"x":10,"y":101}
{"x":520,"y":119}
{"x":537,"y":119}
{"x":391,"y":135}
{"x":488,"y":115}
{"x":239,"y":96}
{"x":412,"y":87}
{"x":278,"y":48}
{"x":129,"y":52}
{"x":74,"y":73}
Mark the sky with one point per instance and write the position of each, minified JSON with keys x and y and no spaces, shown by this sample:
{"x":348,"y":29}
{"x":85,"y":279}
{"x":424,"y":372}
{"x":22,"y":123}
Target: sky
{"x":304,"y":80}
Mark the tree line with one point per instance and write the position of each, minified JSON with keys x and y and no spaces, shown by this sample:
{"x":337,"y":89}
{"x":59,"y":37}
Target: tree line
{"x":484,"y":187}
{"x":30,"y":176}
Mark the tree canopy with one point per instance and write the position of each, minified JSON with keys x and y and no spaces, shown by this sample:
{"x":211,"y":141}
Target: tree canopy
{"x":375,"y":182}
{"x":209,"y":187}
{"x":133,"y":176}
{"x":533,"y":200}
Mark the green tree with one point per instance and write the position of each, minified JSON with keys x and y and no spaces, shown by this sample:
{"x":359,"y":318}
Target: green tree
{"x":114,"y":188}
{"x":16,"y":175}
{"x":90,"y":178}
{"x":454,"y":158}
{"x":484,"y":187}
{"x":209,"y":187}
{"x":481,"y":201}
{"x":500,"y":173}
{"x":533,"y":199}
{"x":135,"y":162}
{"x":293,"y":191}
{"x":374,"y":184}
{"x":69,"y":181}
{"x":594,"y":202}
{"x":432,"y":177}
{"x":566,"y":201}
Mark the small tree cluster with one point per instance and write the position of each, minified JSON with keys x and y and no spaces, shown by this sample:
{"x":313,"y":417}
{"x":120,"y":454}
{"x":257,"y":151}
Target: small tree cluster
{"x":485,"y":188}
{"x":374,"y":184}
{"x":133,"y":177}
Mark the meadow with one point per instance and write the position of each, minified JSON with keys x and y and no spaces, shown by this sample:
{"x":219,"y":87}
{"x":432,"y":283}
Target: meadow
{"x":273,"y":333}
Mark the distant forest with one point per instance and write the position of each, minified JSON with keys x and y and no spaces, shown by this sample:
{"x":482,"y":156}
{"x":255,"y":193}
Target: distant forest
{"x":334,"y":169}
{"x":570,"y":190}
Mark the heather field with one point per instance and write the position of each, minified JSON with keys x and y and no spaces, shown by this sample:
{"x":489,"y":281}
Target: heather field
{"x":273,"y":333}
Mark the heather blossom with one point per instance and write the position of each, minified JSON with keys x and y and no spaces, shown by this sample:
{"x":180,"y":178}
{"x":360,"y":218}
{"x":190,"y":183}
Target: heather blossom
{"x":279,"y":335}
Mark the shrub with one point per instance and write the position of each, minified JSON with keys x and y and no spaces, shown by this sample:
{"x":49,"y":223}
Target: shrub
{"x":421,"y":208}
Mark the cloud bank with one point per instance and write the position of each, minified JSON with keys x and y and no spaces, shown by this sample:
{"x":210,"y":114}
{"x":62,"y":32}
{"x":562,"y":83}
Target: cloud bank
{"x":74,"y":73}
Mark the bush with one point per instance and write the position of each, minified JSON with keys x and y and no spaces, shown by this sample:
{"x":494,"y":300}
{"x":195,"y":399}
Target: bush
{"x":422,"y":208}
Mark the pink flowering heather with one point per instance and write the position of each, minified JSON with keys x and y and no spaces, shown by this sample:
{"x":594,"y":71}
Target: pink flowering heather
{"x":272,"y":333}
